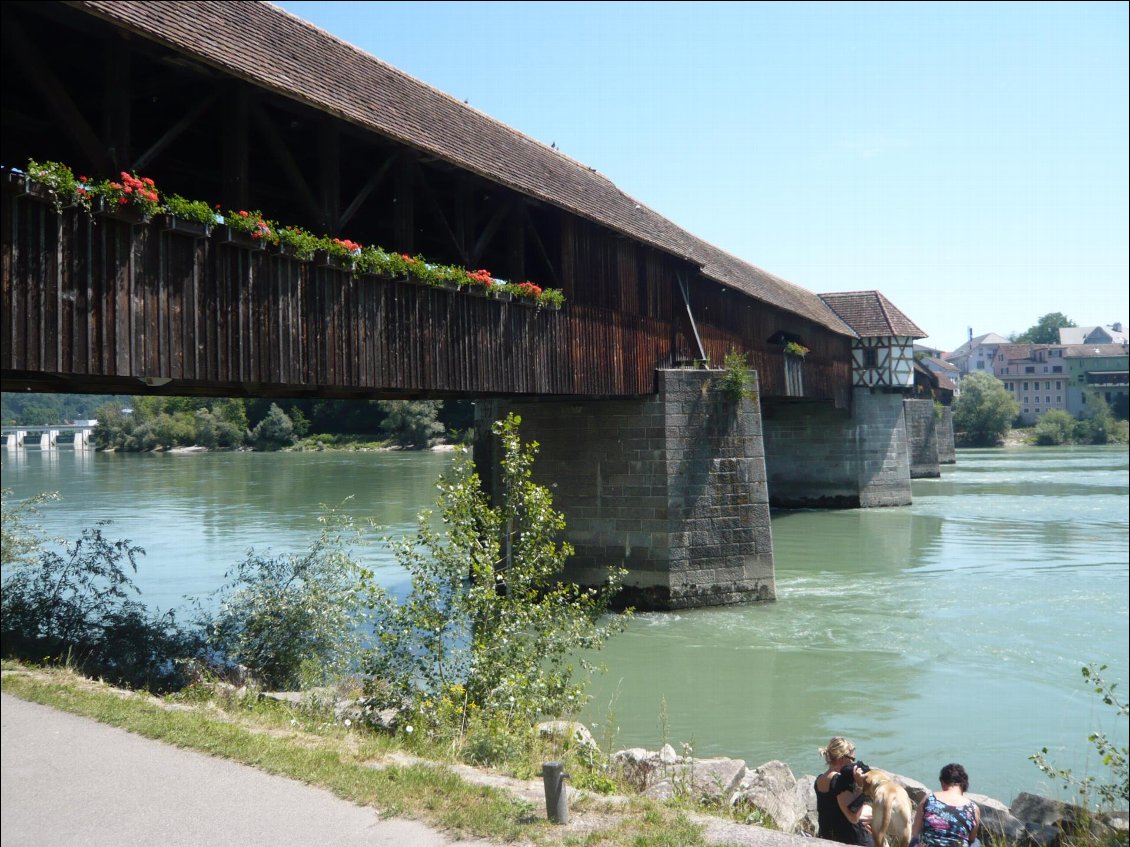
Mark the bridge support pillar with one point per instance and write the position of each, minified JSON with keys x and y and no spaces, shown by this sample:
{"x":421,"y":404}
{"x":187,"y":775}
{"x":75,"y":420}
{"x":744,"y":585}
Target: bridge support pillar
{"x":922,"y":433}
{"x":947,"y":452}
{"x":670,"y":487}
{"x":821,"y":457}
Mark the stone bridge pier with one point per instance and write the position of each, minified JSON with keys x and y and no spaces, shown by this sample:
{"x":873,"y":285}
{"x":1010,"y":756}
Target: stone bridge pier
{"x":818,"y":456}
{"x":671,"y":487}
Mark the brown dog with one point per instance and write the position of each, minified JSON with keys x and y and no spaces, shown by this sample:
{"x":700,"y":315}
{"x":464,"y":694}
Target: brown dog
{"x":892,"y":810}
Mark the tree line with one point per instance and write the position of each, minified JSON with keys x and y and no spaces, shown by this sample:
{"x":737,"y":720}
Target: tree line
{"x":131,"y":423}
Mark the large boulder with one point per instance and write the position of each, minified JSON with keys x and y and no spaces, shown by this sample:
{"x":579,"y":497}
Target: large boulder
{"x":770,"y":791}
{"x":707,"y":781}
{"x":998,"y":825}
{"x":572,"y":733}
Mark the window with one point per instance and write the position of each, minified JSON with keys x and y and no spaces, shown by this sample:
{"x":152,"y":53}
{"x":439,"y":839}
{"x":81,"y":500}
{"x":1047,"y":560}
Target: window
{"x":1047,"y":386}
{"x":1059,"y":398}
{"x":1057,"y":369}
{"x":980,"y":365}
{"x":1045,"y":368}
{"x":1047,"y":401}
{"x":1029,"y":369}
{"x":870,"y":357}
{"x":1025,"y":386}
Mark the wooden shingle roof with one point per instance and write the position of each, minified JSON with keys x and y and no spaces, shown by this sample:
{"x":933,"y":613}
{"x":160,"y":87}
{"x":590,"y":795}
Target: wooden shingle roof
{"x":871,"y":314}
{"x":275,"y":50}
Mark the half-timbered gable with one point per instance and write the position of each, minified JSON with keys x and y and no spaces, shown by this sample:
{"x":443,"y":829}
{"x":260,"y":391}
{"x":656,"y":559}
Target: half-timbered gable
{"x":883,"y":353}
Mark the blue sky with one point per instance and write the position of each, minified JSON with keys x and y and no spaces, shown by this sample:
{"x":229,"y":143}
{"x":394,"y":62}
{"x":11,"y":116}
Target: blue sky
{"x":967,"y":160}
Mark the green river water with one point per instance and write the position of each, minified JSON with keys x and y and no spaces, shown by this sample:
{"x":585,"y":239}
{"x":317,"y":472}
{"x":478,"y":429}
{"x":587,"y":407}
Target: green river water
{"x":950,"y":630}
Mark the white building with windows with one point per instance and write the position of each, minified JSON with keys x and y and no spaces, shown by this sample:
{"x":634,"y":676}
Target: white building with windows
{"x":1036,"y":375}
{"x":977,"y":354}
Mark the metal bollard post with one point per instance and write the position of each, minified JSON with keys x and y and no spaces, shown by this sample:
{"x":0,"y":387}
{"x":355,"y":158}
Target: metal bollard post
{"x":556,"y":799}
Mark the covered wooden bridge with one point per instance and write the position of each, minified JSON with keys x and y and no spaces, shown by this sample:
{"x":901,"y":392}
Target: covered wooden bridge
{"x":245,"y":106}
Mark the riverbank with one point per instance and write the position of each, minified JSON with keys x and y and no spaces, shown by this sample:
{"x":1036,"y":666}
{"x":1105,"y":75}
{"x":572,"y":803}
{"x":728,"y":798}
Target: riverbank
{"x":303,"y":739}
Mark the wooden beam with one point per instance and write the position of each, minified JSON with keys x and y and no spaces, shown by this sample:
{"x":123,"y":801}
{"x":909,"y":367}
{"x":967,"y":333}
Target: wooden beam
{"x":173,"y":132}
{"x":437,"y":211}
{"x":533,"y":230}
{"x":516,"y":242}
{"x":329,"y":149}
{"x":488,"y":232}
{"x":55,"y":96}
{"x":404,"y":214}
{"x":285,"y":160}
{"x":371,"y":185}
{"x":236,"y":187}
{"x":116,"y":97}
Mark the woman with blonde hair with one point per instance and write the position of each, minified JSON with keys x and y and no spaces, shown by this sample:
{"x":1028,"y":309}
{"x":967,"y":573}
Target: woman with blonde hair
{"x":840,"y":817}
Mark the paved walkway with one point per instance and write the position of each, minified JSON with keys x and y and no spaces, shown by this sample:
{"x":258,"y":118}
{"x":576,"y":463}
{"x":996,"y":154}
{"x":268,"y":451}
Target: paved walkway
{"x":67,"y":781}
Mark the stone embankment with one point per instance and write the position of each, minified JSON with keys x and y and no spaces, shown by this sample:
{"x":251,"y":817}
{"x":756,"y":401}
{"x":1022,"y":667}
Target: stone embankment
{"x":772,"y":796}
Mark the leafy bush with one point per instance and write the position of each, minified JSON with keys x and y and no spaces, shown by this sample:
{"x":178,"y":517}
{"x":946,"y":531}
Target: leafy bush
{"x":1115,"y":794}
{"x":487,"y":610}
{"x":77,"y":608}
{"x":20,"y":540}
{"x":412,"y":423}
{"x":1055,"y":426}
{"x":734,"y":382}
{"x":984,"y":412}
{"x":292,"y":619}
{"x":273,"y":432}
{"x":196,"y":211}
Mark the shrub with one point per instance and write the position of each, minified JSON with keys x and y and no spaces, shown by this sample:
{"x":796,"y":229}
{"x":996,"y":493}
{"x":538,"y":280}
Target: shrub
{"x":273,"y":432}
{"x":76,"y":608}
{"x":734,"y":382}
{"x":412,"y":423}
{"x":487,"y":610}
{"x":196,"y":211}
{"x":984,"y":412}
{"x":291,"y":619}
{"x":1055,"y":426}
{"x":1115,"y":794}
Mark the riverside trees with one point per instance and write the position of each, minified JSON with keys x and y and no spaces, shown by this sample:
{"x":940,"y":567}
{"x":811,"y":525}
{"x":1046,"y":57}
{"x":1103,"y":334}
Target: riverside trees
{"x":984,"y":412}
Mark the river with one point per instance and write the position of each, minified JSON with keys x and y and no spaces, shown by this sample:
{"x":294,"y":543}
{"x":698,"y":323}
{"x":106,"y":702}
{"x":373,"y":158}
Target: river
{"x":950,"y":630}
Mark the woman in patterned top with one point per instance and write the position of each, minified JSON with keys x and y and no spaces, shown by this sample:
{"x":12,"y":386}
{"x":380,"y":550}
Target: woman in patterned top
{"x":945,"y":818}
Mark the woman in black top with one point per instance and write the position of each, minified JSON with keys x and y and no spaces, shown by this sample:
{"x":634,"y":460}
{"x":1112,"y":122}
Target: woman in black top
{"x":840,"y":817}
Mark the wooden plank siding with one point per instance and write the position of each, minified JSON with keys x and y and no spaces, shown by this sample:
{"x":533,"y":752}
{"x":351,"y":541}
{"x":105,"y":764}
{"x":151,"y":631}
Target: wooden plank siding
{"x":99,"y":304}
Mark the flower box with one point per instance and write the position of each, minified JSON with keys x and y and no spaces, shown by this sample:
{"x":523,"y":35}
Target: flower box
{"x":25,"y":186}
{"x":448,"y":285}
{"x":183,"y":226}
{"x":238,"y":238}
{"x":117,"y":212}
{"x":283,"y":251}
{"x":325,"y":260}
{"x":478,"y":291}
{"x":504,"y":296}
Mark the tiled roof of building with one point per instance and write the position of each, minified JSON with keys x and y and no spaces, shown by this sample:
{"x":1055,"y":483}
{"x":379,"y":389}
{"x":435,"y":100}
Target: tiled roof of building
{"x":989,"y":338}
{"x":1079,"y":334}
{"x":1081,"y":351}
{"x":1014,"y":352}
{"x":273,"y":49}
{"x":871,"y":314}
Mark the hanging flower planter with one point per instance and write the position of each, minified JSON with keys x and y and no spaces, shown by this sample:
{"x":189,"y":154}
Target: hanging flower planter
{"x":283,"y":251}
{"x":25,"y":186}
{"x":324,"y":259}
{"x":237,"y":238}
{"x":504,"y":296}
{"x":182,"y":226}
{"x":105,"y":208}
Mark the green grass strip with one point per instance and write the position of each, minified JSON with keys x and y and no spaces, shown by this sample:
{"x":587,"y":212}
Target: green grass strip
{"x":432,"y":794}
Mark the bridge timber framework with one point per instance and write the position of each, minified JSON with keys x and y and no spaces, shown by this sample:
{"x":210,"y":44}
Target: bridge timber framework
{"x":243,"y":103}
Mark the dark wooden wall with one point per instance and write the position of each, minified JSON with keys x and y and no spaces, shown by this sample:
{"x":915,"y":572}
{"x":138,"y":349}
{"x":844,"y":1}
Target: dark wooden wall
{"x":92,"y":303}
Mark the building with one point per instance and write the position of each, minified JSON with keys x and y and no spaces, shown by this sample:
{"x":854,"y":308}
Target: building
{"x":1110,"y":334}
{"x":976,"y":355}
{"x":1097,"y":370}
{"x":1036,"y":376}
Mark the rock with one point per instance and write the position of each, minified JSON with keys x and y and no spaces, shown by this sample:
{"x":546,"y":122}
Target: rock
{"x":771,"y":790}
{"x":914,"y":789}
{"x":636,"y":766}
{"x":998,"y":826}
{"x":572,"y":732}
{"x":662,"y":791}
{"x":668,"y":756}
{"x":806,"y":794}
{"x":709,"y":781}
{"x":1038,"y":810}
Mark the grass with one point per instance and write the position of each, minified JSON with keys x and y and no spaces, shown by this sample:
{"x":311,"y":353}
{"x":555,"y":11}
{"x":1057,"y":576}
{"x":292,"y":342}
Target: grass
{"x":305,"y":744}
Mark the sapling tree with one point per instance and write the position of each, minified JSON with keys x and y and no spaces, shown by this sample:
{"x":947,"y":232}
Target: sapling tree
{"x":489,"y":629}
